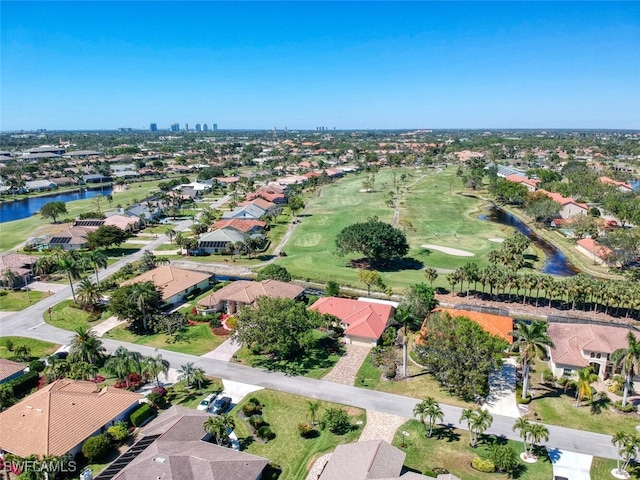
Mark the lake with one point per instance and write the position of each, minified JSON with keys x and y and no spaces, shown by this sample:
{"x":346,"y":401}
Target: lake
{"x":25,"y":208}
{"x":556,"y":263}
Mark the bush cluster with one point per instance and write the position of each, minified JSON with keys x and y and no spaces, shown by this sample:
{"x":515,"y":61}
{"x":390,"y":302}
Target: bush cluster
{"x":483,"y":465}
{"x":265,"y":433}
{"x":97,"y":447}
{"x":141,"y":414}
{"x":628,"y":408}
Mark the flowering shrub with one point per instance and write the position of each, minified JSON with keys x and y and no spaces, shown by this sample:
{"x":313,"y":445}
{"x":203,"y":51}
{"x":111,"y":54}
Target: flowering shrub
{"x":161,"y":391}
{"x":135,"y":381}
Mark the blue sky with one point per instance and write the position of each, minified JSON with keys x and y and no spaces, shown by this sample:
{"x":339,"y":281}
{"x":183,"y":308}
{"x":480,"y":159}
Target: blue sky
{"x":95,"y":65}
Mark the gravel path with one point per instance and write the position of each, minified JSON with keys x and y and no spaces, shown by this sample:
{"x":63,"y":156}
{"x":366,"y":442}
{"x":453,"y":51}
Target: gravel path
{"x":347,"y":367}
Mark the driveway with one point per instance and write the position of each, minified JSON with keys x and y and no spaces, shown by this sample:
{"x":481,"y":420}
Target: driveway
{"x":571,"y":465}
{"x":502,"y":391}
{"x":237,"y":390}
{"x":345,"y":370}
{"x":108,"y":324}
{"x":224,"y":351}
{"x":48,"y":287}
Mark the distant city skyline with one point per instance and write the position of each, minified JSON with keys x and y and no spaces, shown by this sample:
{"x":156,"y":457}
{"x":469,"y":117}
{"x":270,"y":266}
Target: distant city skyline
{"x":349,"y":65}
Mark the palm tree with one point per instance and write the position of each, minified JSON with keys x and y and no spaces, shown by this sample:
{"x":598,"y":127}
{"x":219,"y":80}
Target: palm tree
{"x":628,"y":360}
{"x":478,"y":421}
{"x":89,"y":294}
{"x":431,"y":274}
{"x":122,"y":363}
{"x":68,"y":264}
{"x":98,"y":259}
{"x":586,"y":376}
{"x":404,"y":317}
{"x":154,"y":365}
{"x":186,"y":373}
{"x":312,"y":410}
{"x":170,"y":233}
{"x":627,"y":446}
{"x":430,"y":410}
{"x":86,"y":347}
{"x":531,"y":341}
{"x":82,"y":370}
{"x":142,"y":294}
{"x":215,"y":426}
{"x":9,"y":279}
{"x":523,"y":425}
{"x":199,"y":377}
{"x":536,"y":432}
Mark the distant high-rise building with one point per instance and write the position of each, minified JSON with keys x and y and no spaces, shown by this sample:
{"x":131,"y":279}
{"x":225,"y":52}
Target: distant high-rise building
{"x":175,"y":127}
{"x":198,"y":127}
{"x":186,"y":127}
{"x":153,"y":127}
{"x":205,"y":127}
{"x":215,"y":127}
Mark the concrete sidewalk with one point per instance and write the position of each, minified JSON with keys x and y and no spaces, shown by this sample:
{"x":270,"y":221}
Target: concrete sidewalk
{"x":108,"y":324}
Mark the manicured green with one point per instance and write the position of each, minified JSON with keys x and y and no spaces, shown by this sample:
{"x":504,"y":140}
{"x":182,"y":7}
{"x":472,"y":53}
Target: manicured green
{"x":68,"y":317}
{"x":16,"y":232}
{"x":368,"y":375}
{"x":15,"y":300}
{"x":601,"y":469}
{"x":193,"y":340}
{"x":450,"y":449}
{"x":428,"y":205}
{"x":294,"y":454}
{"x":39,"y":349}
{"x":191,"y":397}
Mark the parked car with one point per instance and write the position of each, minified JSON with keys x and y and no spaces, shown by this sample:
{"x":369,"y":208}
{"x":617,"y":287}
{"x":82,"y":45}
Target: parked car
{"x":220,"y":405}
{"x":206,"y":403}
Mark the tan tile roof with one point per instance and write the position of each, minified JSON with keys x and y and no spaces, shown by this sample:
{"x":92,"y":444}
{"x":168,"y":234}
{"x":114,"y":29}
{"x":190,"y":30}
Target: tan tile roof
{"x":181,"y":454}
{"x":18,"y":264}
{"x":246,"y":292}
{"x":375,"y":459}
{"x":59,"y":416}
{"x":121,"y":221}
{"x":571,"y":339}
{"x":364,"y":319}
{"x":8,"y":368}
{"x":169,"y":279}
{"x":242,"y":225}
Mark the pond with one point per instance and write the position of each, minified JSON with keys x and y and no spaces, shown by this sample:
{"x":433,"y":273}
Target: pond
{"x":19,"y":209}
{"x":556,"y":263}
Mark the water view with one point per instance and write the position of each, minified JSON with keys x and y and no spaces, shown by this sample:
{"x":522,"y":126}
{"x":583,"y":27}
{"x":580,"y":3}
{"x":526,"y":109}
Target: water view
{"x":16,"y":210}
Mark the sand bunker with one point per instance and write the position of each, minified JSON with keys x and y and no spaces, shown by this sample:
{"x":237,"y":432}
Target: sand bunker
{"x":449,"y":251}
{"x":496,"y":240}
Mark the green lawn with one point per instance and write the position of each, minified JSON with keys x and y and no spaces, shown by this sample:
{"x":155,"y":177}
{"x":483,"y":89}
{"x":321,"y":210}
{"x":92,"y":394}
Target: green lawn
{"x":16,"y":300}
{"x":39,"y":349}
{"x":191,"y":397}
{"x":193,"y":340}
{"x":311,"y":249}
{"x":289,"y":450}
{"x":552,"y":405}
{"x":67,"y":317}
{"x":601,"y":469}
{"x":16,"y":232}
{"x":450,"y":449}
{"x":314,"y":364}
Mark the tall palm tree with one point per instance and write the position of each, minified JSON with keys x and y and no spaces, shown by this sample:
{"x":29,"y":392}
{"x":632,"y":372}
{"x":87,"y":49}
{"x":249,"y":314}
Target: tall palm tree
{"x":522,"y":425}
{"x":86,"y":347}
{"x":531,"y":341}
{"x":142,"y":294}
{"x":154,"y":365}
{"x":312,"y":410}
{"x":97,"y":259}
{"x":186,"y":373}
{"x":68,"y":264}
{"x":404,"y":317}
{"x":219,"y":426}
{"x":170,"y":233}
{"x":9,"y":279}
{"x":628,"y":360}
{"x":536,"y":433}
{"x":199,"y":377}
{"x":431,"y":274}
{"x":123,"y":363}
{"x":627,"y":446}
{"x":89,"y":294}
{"x":428,"y":410}
{"x":586,"y":376}
{"x":478,"y":421}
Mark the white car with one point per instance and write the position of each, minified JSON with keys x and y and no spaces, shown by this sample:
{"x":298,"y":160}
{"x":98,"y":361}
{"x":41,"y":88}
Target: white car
{"x":207,"y":402}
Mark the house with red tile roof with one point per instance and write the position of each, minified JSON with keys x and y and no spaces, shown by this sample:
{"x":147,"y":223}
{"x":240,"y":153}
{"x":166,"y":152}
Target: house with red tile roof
{"x":592,"y":249}
{"x":242,"y":225}
{"x":363,"y":321}
{"x":259,"y":202}
{"x":244,"y":292}
{"x":175,"y":283}
{"x":10,"y":370}
{"x":578,"y":345}
{"x":569,"y":206}
{"x":497,"y":325}
{"x":622,"y":186}
{"x":269,"y":194}
{"x":530,"y":183}
{"x":59,"y":417}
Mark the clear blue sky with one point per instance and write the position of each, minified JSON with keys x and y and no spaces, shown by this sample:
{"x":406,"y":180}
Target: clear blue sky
{"x":94,"y":65}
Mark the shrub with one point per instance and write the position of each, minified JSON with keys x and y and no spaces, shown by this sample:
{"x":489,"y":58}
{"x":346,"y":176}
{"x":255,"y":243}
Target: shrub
{"x":36,"y":366}
{"x":232,"y":322}
{"x":119,"y":432}
{"x":3,"y":293}
{"x":256,"y":421}
{"x":547,"y":376}
{"x":519,"y":399}
{"x":265,"y":433}
{"x":616,"y":385}
{"x":24,"y":383}
{"x":96,"y":447}
{"x":336,"y":420}
{"x":9,"y":344}
{"x":483,"y":465}
{"x":504,"y":458}
{"x":305,"y":428}
{"x":161,"y":391}
{"x":215,"y":323}
{"x":628,"y":408}
{"x":156,"y":400}
{"x":141,"y":414}
{"x":562,"y":381}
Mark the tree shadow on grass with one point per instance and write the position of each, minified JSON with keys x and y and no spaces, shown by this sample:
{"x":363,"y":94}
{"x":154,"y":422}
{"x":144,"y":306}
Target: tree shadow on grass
{"x":446,"y":432}
{"x":406,"y":263}
{"x":317,"y":357}
{"x":246,"y":442}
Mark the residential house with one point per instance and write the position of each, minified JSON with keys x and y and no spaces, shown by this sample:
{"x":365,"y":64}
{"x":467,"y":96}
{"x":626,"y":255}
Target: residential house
{"x":175,"y":283}
{"x":530,"y":183}
{"x":63,"y":181}
{"x":578,"y":345}
{"x":150,"y":212}
{"x":74,"y":238}
{"x":244,"y":226}
{"x":40,"y":185}
{"x":569,"y":207}
{"x":20,"y":265}
{"x":498,"y":325}
{"x":269,"y":194}
{"x":218,"y":240}
{"x":244,"y":292}
{"x":622,"y":186}
{"x":123,"y":222}
{"x":592,"y":249}
{"x":179,"y":448}
{"x":373,"y":459}
{"x":249,"y":211}
{"x":59,"y":417}
{"x":363,"y":321}
{"x":259,"y":202}
{"x":10,"y":370}
{"x":96,"y":178}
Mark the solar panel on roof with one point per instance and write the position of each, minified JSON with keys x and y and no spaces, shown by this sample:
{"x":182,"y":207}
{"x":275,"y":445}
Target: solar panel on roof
{"x":60,"y":240}
{"x":126,"y":458}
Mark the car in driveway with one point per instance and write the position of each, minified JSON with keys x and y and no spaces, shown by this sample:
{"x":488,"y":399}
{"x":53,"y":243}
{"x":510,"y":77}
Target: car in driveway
{"x":206,"y":403}
{"x":220,"y":405}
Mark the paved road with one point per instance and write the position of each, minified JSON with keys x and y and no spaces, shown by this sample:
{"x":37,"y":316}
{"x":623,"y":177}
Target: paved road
{"x":29,"y":323}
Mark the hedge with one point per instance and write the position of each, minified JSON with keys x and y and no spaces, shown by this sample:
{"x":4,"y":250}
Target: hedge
{"x":483,"y":465}
{"x":24,"y":383}
{"x":141,"y":414}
